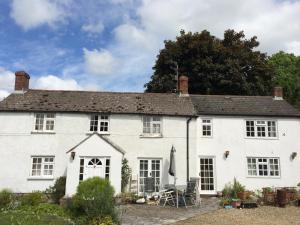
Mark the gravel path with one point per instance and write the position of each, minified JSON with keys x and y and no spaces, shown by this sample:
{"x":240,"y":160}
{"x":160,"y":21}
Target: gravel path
{"x":264,"y":215}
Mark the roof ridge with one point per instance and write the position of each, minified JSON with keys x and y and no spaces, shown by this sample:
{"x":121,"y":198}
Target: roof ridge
{"x":108,"y":92}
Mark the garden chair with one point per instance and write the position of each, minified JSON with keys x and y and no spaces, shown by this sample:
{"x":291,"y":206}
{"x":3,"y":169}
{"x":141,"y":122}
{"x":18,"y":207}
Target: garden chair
{"x":190,"y":193}
{"x":166,"y":195}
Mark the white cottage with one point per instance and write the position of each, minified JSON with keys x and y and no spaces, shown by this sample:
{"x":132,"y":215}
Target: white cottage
{"x":47,"y":134}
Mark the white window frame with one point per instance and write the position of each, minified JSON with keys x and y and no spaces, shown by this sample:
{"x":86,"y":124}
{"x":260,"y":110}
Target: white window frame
{"x":99,"y":121}
{"x":44,"y":124}
{"x":205,"y":123}
{"x":255,"y":162}
{"x":262,"y":124}
{"x":152,"y":123}
{"x":45,"y":161}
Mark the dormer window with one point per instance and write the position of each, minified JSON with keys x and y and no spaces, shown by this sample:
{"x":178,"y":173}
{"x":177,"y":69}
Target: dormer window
{"x":44,"y":122}
{"x":99,"y":123}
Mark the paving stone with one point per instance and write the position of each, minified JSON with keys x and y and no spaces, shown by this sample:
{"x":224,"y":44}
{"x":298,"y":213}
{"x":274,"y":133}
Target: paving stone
{"x":156,"y":215}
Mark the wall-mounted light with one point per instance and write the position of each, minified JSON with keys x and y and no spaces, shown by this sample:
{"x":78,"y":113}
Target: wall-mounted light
{"x":226,"y":154}
{"x":72,"y":155}
{"x":293,"y":155}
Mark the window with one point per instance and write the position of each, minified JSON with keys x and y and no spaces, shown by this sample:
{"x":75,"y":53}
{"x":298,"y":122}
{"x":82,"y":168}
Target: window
{"x":42,"y":166}
{"x":44,"y":122}
{"x":261,"y":128}
{"x":151,"y":125}
{"x":99,"y":123}
{"x":107,"y":168}
{"x":207,"y":127}
{"x":263,"y":167}
{"x":150,"y":168}
{"x":81,"y":169}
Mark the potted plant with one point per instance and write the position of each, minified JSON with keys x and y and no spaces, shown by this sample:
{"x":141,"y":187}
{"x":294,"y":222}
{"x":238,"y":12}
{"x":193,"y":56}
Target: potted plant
{"x":236,"y":203}
{"x":226,"y":203}
{"x":269,"y":195}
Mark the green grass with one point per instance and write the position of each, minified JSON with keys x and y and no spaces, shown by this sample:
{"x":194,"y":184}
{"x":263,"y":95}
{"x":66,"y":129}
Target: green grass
{"x":18,"y":217}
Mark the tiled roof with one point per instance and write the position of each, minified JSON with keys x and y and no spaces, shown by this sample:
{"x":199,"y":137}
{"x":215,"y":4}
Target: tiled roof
{"x":146,"y":103}
{"x":242,"y":105}
{"x":93,"y":102}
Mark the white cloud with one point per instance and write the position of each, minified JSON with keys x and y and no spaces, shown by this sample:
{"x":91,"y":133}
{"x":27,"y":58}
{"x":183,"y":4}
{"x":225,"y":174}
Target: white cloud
{"x":33,"y":13}
{"x":293,"y":47}
{"x":93,"y":28}
{"x":276,"y":23}
{"x":52,"y":82}
{"x":7,"y":79}
{"x":99,"y":62}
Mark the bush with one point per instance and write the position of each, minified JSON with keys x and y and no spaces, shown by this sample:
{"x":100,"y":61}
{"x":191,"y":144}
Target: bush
{"x":94,"y":199}
{"x":57,"y":191}
{"x":126,"y":173}
{"x":32,"y":199}
{"x":5,"y":198}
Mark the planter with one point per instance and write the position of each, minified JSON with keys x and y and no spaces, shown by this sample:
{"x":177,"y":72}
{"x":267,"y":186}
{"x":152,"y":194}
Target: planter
{"x":269,"y":196}
{"x":291,"y":195}
{"x":236,"y":204}
{"x":282,"y":197}
{"x":243,"y":195}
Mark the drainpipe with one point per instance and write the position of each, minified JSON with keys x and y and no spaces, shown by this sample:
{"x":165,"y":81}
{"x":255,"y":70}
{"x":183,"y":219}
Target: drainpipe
{"x":187,"y":150}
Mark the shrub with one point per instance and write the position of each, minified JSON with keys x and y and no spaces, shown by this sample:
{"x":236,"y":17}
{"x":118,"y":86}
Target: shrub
{"x":32,"y":199}
{"x":126,"y":173}
{"x":231,"y":190}
{"x":57,"y":191}
{"x":5,"y":198}
{"x":94,"y":199}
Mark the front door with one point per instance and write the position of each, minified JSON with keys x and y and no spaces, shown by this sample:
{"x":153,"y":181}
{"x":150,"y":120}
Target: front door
{"x":94,"y":167}
{"x":207,"y":175}
{"x":149,"y":168}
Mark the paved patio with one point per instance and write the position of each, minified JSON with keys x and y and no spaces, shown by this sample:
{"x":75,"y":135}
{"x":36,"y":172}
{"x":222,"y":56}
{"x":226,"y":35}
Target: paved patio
{"x":135,"y":214}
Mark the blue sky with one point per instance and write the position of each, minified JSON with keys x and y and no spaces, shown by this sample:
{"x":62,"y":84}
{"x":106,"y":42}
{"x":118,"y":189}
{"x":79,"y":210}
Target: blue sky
{"x":111,"y":45}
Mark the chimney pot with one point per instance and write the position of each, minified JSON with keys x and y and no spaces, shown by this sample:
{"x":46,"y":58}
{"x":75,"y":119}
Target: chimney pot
{"x":277,"y":93}
{"x":21,"y":81}
{"x":183,"y":85}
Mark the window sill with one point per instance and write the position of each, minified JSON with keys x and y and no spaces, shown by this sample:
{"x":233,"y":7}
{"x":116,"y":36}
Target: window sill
{"x":264,"y":177}
{"x":42,"y":132}
{"x":263,"y":138}
{"x":40,"y":178}
{"x":102,"y":133}
{"x":207,"y":136}
{"x":151,"y":136}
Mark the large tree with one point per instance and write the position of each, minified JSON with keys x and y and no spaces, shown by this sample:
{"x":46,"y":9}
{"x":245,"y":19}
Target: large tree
{"x":287,"y":75}
{"x":214,"y":66}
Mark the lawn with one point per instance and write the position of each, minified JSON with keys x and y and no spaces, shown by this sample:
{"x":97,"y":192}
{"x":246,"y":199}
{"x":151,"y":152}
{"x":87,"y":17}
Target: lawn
{"x":266,"y":215}
{"x":25,"y":218}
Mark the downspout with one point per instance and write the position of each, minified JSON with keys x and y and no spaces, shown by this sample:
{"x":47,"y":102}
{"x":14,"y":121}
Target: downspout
{"x":188,"y":150}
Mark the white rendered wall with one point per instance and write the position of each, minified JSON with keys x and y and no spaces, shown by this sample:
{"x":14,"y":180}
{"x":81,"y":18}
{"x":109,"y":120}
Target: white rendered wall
{"x":229,"y":135}
{"x":18,"y":143}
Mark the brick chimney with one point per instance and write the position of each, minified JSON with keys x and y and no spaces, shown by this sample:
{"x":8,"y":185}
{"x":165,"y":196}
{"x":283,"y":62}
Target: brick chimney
{"x":183,"y":85}
{"x":277,"y":93}
{"x":21,"y":81}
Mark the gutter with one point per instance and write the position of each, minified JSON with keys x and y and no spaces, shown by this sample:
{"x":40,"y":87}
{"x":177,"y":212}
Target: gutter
{"x":187,"y":149}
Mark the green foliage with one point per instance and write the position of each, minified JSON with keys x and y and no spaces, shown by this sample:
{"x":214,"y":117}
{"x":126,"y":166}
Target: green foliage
{"x":231,"y":190}
{"x":94,"y":199}
{"x":102,"y":221}
{"x":32,"y":199}
{"x":5,"y":198}
{"x":225,"y":201}
{"x":287,"y":75}
{"x":45,"y":208}
{"x":126,"y":173}
{"x":214,"y":66}
{"x":20,"y":217}
{"x":57,"y":191}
